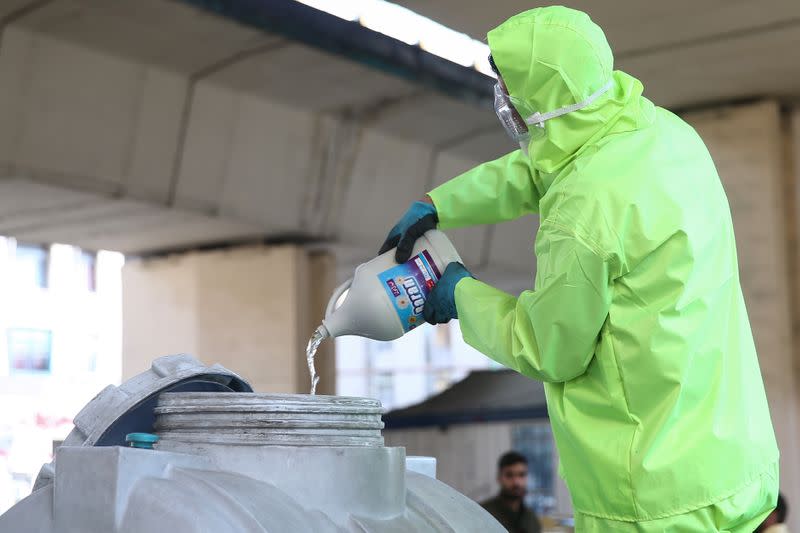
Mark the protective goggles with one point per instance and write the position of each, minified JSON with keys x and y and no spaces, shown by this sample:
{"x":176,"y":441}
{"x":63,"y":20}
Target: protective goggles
{"x":510,"y":111}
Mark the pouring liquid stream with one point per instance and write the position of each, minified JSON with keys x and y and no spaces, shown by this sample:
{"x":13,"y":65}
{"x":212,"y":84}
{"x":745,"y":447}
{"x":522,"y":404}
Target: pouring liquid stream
{"x":313,"y":344}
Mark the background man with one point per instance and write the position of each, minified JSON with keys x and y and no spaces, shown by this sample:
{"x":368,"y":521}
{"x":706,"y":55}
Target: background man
{"x":508,"y":507}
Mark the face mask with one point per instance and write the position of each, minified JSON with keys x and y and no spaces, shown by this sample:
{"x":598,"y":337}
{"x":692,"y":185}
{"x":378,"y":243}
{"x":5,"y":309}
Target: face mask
{"x":521,"y":131}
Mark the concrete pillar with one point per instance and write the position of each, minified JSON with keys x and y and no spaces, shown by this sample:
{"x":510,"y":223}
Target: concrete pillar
{"x":250,"y":308}
{"x":749,"y":146}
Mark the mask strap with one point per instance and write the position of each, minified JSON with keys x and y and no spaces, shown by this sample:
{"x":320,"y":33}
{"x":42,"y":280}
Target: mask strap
{"x":539,"y":118}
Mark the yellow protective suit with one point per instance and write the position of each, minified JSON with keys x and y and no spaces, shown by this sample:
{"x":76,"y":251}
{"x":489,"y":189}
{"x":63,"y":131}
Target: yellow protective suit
{"x":636,"y":323}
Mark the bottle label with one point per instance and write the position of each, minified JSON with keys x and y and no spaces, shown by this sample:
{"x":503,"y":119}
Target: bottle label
{"x":408,"y":286}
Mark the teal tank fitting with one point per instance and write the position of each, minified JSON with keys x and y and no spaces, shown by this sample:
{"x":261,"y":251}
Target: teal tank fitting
{"x":141,"y":440}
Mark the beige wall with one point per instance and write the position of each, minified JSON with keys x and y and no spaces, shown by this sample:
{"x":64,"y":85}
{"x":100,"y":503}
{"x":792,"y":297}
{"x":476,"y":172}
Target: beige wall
{"x":251,"y":309}
{"x":749,"y":146}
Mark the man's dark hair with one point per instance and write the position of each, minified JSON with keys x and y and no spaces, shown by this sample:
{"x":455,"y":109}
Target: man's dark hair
{"x":782,"y":509}
{"x":492,"y":64}
{"x":510,"y":458}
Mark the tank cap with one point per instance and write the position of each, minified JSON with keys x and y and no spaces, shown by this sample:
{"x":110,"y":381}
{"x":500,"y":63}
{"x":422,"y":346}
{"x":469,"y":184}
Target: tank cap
{"x":141,"y":440}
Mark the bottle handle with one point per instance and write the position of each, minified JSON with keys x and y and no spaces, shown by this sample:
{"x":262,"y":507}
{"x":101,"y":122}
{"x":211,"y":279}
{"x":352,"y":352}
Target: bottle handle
{"x":335,"y":297}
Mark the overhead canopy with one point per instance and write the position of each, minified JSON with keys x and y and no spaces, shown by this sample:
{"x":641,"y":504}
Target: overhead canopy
{"x":482,"y":396}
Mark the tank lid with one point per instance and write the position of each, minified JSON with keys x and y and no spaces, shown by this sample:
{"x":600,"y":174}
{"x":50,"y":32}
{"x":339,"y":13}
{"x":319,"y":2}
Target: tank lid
{"x":190,"y":419}
{"x":117,"y":411}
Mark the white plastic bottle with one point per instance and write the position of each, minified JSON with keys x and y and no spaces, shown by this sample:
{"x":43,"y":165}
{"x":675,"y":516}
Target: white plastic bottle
{"x":384,"y":299}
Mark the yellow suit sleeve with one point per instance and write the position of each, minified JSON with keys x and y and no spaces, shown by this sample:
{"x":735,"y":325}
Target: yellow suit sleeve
{"x":496,"y":191}
{"x":548,"y":334}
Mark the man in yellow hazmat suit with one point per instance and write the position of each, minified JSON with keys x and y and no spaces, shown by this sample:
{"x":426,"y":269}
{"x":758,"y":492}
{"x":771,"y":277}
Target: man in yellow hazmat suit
{"x":636,"y":322}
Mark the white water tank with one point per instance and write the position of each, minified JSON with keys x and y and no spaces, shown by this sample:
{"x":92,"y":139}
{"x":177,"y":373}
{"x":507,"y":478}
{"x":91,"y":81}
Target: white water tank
{"x":229,"y":460}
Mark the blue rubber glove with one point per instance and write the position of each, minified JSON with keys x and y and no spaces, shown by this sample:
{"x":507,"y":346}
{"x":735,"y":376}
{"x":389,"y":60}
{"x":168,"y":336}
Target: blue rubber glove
{"x":419,"y":218}
{"x":441,"y":304}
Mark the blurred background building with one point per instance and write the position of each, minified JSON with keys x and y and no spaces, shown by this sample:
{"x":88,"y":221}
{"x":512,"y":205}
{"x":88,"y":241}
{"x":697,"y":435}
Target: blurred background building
{"x":244,"y":156}
{"x":60,"y":344}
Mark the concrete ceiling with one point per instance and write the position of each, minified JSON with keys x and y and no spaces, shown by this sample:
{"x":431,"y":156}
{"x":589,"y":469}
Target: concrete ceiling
{"x":211,"y":49}
{"x":685,"y":52}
